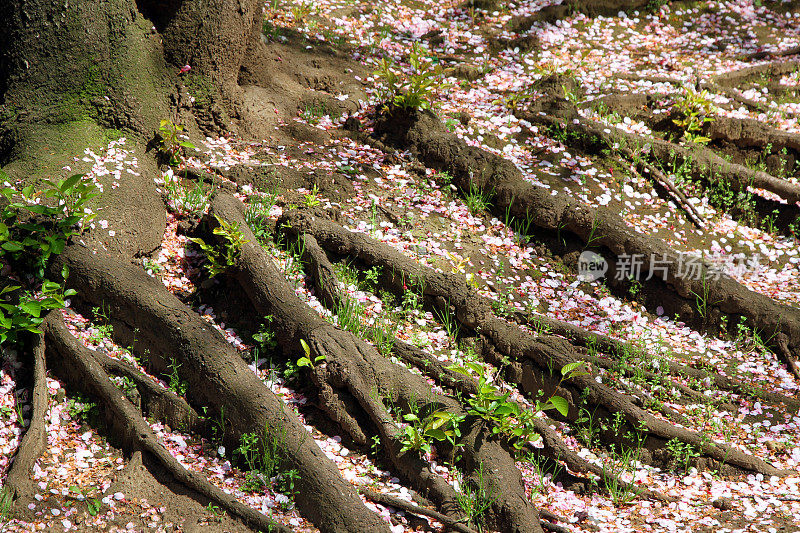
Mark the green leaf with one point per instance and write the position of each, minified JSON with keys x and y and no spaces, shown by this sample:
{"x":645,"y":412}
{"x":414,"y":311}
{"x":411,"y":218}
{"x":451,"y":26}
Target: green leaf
{"x":566,"y":369}
{"x":57,"y":246}
{"x":70,"y":182}
{"x":475,"y":367}
{"x":50,"y":286}
{"x":560,"y":404}
{"x":436,"y":433}
{"x":458,"y":368}
{"x":436,"y":422}
{"x":306,"y":348}
{"x":8,"y":288}
{"x":70,"y":221}
{"x":32,"y":307}
{"x":504,"y":410}
{"x":12,"y":246}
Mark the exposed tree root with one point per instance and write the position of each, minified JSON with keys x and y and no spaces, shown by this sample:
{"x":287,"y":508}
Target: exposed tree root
{"x":613,"y":347}
{"x":157,"y":402}
{"x":217,"y":377}
{"x":728,"y":82}
{"x":595,"y":135}
{"x":553,"y":13}
{"x":748,"y":133}
{"x":340,"y":379}
{"x":737,"y":77}
{"x":741,"y":132}
{"x":736,"y":96}
{"x":652,"y":376}
{"x":34,"y":440}
{"x":356,"y":369}
{"x":647,"y":169}
{"x":432,"y":367}
{"x":325,"y":283}
{"x":555,"y":448}
{"x":733,"y":385}
{"x":728,"y":92}
{"x":781,"y":53}
{"x":473,"y":312}
{"x":549,"y":526}
{"x":399,"y":503}
{"x":699,"y":297}
{"x":78,"y":366}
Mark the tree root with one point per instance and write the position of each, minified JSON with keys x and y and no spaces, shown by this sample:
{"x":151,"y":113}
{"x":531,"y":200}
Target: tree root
{"x":325,"y":283}
{"x":549,"y":526}
{"x":646,"y":169}
{"x":595,"y":135}
{"x":296,"y":223}
{"x":157,"y":402}
{"x":741,"y":132}
{"x":399,"y":503}
{"x":643,"y":399}
{"x":473,"y":312}
{"x":359,"y":370}
{"x":34,"y":441}
{"x":736,"y":96}
{"x":432,"y":367}
{"x":167,"y":332}
{"x":476,"y":169}
{"x":737,"y":77}
{"x":781,"y":53}
{"x":553,"y":13}
{"x":78,"y":366}
{"x":613,"y":347}
{"x":729,"y":92}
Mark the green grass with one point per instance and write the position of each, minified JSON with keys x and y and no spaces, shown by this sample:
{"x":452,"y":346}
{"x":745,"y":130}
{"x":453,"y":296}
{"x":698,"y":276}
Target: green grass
{"x":477,"y":199}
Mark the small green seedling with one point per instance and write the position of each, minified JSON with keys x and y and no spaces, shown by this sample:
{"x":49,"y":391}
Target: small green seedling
{"x":172,"y":141}
{"x":306,"y":360}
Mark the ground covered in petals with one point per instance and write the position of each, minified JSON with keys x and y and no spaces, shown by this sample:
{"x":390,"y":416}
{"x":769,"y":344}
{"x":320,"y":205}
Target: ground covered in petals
{"x":497,"y":61}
